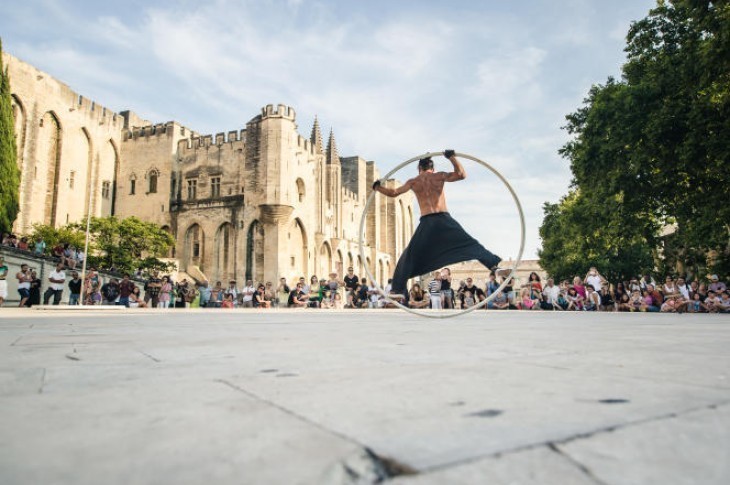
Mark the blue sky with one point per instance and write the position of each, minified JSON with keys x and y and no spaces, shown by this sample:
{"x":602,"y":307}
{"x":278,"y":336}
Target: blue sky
{"x":393,"y":79}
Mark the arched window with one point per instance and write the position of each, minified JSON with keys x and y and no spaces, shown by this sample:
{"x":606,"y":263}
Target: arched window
{"x":132,"y":184}
{"x":152,"y":178}
{"x":300,"y":190}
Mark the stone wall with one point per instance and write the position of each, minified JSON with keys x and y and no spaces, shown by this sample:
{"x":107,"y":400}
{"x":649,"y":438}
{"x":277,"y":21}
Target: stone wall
{"x":68,"y":149}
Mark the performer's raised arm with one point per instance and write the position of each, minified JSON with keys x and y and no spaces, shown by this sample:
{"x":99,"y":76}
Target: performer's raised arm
{"x":392,"y":192}
{"x":459,"y":173}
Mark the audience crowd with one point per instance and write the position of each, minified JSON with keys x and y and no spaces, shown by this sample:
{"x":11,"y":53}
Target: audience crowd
{"x":593,"y":292}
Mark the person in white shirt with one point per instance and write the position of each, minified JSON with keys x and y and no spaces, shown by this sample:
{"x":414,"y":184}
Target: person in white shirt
{"x":231,"y":290}
{"x":434,"y":290}
{"x":550,"y":296}
{"x":594,"y":278}
{"x":248,"y":292}
{"x":57,"y":278}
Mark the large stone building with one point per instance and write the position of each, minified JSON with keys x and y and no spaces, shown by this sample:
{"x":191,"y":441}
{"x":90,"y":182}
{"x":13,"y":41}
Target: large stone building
{"x":257,"y":203}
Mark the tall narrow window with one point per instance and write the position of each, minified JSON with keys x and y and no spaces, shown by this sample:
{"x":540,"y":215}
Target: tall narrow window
{"x":153,"y":182}
{"x":71,"y":179}
{"x":192,"y":189}
{"x":105,"y":189}
{"x":132,"y":186}
{"x":215,"y":187}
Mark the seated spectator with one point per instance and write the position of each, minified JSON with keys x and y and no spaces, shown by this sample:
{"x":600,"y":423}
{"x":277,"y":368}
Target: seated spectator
{"x":550,"y":296}
{"x":712,"y":302}
{"x":526,"y":301}
{"x":638,"y":302}
{"x":216,"y":295}
{"x":337,"y":301}
{"x":717,"y":286}
{"x":259,"y":298}
{"x":624,"y":303}
{"x":500,"y":301}
{"x":696,"y":305}
{"x":593,"y":299}
{"x":724,"y":304}
{"x":607,"y":302}
{"x":135,"y":299}
{"x":297,"y":297}
{"x":417,"y":298}
{"x":227,"y":301}
{"x":575,"y":300}
{"x":656,"y":299}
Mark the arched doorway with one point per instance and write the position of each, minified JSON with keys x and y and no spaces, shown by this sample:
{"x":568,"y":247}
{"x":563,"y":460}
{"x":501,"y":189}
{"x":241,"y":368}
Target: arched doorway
{"x":224,"y":270}
{"x":49,"y":172}
{"x":255,"y":252}
{"x":325,"y":260}
{"x":194,"y":247}
{"x":298,"y":250}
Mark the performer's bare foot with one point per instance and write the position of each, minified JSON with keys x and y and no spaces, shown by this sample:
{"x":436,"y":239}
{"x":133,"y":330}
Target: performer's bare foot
{"x":501,"y":272}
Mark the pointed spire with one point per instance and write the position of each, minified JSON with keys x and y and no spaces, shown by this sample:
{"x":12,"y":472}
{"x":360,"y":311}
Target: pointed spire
{"x":316,"y":136}
{"x":332,"y":157}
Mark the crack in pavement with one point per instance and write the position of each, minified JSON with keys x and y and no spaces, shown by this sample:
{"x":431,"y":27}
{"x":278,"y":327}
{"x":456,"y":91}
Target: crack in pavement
{"x":16,"y":341}
{"x":579,"y":436}
{"x":43,"y":381}
{"x":392,"y":467}
{"x":149,"y":356}
{"x":580,"y":466}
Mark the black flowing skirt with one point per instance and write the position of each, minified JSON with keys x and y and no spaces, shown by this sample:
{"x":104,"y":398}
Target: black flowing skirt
{"x":438,"y":241}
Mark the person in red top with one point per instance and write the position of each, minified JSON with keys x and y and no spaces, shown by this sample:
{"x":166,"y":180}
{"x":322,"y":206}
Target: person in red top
{"x":125,"y":289}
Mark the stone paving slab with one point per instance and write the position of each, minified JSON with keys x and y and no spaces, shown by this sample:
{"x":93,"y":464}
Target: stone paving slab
{"x":353,"y":397}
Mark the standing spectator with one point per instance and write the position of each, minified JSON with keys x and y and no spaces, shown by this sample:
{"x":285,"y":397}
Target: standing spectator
{"x":165,"y":292}
{"x":477,"y":293}
{"x":55,"y":289}
{"x":434,"y":291}
{"x":39,"y":249}
{"x":74,"y":288}
{"x":447,"y":293}
{"x":110,"y":292}
{"x":217,"y":295}
{"x":233,"y":291}
{"x":23,"y":244}
{"x":24,"y":278}
{"x":125,"y":289}
{"x":205,"y":294}
{"x":35,"y":290}
{"x":594,"y":278}
{"x":535,"y":286}
{"x":181,"y":293}
{"x":351,"y":279}
{"x":152,"y":289}
{"x":247,"y":292}
{"x":717,"y":286}
{"x":3,"y":283}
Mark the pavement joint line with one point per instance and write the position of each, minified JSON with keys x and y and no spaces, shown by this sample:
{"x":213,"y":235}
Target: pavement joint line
{"x":16,"y":340}
{"x":569,"y":439}
{"x":394,"y":467}
{"x":580,"y":466}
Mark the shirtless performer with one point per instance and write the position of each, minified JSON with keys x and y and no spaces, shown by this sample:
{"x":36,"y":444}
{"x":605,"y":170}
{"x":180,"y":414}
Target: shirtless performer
{"x":439,"y":240}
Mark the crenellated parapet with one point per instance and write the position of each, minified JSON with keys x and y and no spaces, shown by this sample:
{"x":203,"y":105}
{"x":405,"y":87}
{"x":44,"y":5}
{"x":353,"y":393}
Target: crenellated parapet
{"x":280,"y":111}
{"x":231,"y":140}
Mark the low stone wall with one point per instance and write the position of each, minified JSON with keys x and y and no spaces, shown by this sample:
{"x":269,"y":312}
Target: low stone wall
{"x":43,"y":266}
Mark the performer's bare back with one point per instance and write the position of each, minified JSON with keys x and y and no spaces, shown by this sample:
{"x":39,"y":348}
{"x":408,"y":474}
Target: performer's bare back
{"x":429,"y":187}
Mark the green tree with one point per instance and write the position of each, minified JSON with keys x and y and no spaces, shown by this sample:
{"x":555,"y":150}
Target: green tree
{"x":9,"y":172}
{"x":652,"y":150}
{"x":58,"y":235}
{"x":127,"y":244}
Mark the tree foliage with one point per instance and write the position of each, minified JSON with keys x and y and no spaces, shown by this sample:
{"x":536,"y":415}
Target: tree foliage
{"x":9,"y":172}
{"x":652,"y":151}
{"x":127,"y":244}
{"x":123,"y":245}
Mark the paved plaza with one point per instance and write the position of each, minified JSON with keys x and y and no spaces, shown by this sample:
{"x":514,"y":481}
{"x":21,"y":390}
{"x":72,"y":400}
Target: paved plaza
{"x":325,"y":397}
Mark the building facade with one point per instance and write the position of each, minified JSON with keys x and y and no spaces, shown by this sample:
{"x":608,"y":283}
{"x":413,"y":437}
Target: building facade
{"x":256,"y":203}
